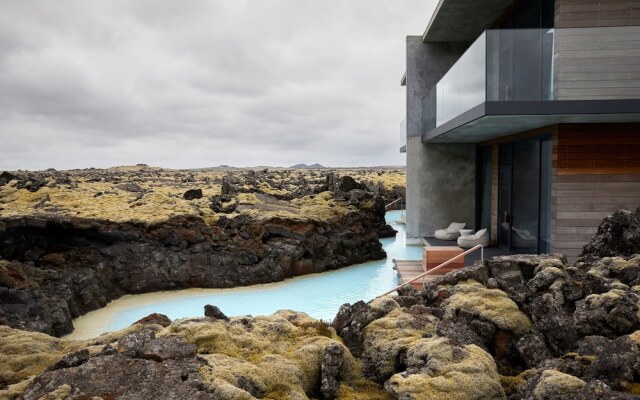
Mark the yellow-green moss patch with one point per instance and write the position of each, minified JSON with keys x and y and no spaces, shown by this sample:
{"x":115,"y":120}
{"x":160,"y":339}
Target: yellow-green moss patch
{"x":397,"y":331}
{"x":555,"y":383}
{"x":491,"y":304}
{"x":451,"y":372}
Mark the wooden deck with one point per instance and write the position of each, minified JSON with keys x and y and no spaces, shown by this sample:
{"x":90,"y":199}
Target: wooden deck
{"x":409,"y":269}
{"x":433,"y":256}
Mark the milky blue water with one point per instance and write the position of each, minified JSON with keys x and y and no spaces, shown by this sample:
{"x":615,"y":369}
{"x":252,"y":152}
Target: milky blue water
{"x":319,"y":295}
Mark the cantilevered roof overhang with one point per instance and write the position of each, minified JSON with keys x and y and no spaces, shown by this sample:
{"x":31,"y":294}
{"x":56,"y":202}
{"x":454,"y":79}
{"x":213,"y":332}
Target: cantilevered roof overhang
{"x":464,"y":20}
{"x":494,"y":119}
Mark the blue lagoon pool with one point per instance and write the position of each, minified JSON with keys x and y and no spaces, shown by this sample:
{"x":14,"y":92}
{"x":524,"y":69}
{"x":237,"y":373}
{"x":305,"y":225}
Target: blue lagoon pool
{"x":319,"y":295}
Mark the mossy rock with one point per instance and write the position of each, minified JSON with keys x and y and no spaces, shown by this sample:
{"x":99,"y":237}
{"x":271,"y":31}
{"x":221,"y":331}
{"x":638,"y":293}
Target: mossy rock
{"x":439,"y":370}
{"x":493,"y":305}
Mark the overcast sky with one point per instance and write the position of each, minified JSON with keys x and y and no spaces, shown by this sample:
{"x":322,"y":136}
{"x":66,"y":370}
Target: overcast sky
{"x":185,"y":84}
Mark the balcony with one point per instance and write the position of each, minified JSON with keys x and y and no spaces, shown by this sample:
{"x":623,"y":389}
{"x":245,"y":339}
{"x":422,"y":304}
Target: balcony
{"x":403,"y":136}
{"x":546,"y":75}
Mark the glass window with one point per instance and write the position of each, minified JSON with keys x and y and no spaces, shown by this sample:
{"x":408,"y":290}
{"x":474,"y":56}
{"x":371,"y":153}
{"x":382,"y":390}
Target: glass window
{"x":545,"y":194}
{"x":484,"y":188}
{"x":524,"y":202}
{"x":526,"y":196}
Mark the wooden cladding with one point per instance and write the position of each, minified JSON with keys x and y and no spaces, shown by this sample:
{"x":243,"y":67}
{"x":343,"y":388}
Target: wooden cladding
{"x":597,"y":63}
{"x":588,"y":13}
{"x":597,"y":149}
{"x":580,"y":202}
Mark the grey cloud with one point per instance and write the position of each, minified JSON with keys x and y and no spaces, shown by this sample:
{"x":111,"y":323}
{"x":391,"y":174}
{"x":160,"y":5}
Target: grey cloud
{"x":202,"y":83}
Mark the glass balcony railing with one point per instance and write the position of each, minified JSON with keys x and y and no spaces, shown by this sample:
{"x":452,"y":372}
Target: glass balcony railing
{"x":403,"y":133}
{"x":538,"y":65}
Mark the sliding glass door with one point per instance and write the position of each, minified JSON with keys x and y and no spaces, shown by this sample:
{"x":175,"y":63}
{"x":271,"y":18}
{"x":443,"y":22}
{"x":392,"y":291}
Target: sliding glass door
{"x":525,"y":195}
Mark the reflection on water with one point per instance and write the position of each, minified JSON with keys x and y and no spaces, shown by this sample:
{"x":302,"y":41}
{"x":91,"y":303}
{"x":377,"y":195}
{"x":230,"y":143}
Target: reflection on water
{"x":319,"y":295}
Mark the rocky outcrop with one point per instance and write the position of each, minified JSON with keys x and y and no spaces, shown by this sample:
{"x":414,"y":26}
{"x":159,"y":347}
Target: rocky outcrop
{"x":617,"y":235}
{"x":517,"y":327}
{"x":55,"y":269}
{"x":283,"y":356}
{"x":72,"y":241}
{"x":514,"y":327}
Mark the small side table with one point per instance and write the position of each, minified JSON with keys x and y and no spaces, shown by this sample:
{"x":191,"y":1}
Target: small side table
{"x":436,"y":255}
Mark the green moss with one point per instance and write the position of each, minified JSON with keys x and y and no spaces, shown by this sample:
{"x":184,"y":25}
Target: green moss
{"x":635,"y":336}
{"x":386,"y":337}
{"x":619,"y":264}
{"x":451,"y":372}
{"x":164,"y":189}
{"x":361,"y":391}
{"x":594,"y":301}
{"x":62,"y":392}
{"x":512,"y":384}
{"x":16,"y":390}
{"x":281,"y":353}
{"x":555,"y":383}
{"x":633,"y":388}
{"x":491,"y":304}
{"x":24,"y":355}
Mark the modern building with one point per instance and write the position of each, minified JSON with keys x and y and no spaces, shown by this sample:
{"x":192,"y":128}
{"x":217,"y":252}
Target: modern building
{"x":523,"y":117}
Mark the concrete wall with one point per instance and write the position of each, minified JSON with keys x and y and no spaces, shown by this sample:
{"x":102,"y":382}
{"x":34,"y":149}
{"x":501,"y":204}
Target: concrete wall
{"x":441,"y":187}
{"x":438,"y":176}
{"x":426,"y":65}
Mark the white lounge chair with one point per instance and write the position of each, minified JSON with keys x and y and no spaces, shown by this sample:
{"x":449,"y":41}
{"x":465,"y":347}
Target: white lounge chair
{"x":480,"y":237}
{"x":452,"y":232}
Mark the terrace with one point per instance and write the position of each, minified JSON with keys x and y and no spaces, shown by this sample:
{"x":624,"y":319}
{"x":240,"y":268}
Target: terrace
{"x":521,"y":79}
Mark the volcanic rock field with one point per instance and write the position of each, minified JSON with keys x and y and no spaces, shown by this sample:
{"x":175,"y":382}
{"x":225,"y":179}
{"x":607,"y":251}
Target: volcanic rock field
{"x":512,"y":327}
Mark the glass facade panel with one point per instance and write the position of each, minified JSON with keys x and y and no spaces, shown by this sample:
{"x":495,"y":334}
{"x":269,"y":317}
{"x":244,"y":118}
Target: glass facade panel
{"x":463,"y":87}
{"x":504,"y":195}
{"x":525,"y":197}
{"x":546,"y":146}
{"x":519,"y":65}
{"x":524,"y":189}
{"x":484,"y":188}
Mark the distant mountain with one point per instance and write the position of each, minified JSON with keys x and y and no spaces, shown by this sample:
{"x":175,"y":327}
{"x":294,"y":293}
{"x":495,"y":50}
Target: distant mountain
{"x":305,"y":166}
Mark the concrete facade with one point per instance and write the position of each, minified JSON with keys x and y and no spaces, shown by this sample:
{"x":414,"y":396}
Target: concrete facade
{"x":441,"y":185}
{"x":428,"y":165}
{"x":426,"y":65}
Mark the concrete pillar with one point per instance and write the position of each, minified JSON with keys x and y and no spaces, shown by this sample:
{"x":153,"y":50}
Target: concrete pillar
{"x":440,"y":186}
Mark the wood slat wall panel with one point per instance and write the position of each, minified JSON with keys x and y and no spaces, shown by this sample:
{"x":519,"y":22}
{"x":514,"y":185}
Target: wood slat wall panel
{"x":577,"y":223}
{"x":592,"y":207}
{"x":575,"y":229}
{"x":595,"y":201}
{"x":586,"y":13}
{"x":597,"y":148}
{"x":601,"y":185}
{"x":580,"y":239}
{"x":600,"y":59}
{"x":596,"y":178}
{"x":596,"y":163}
{"x":596,"y":172}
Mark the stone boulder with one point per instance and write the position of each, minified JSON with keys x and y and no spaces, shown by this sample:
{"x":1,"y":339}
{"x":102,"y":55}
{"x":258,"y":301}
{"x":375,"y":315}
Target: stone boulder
{"x":6,"y":177}
{"x":439,"y":370}
{"x":214,"y":312}
{"x":192,"y":194}
{"x":617,"y":235}
{"x":130,"y":187}
{"x":618,"y":364}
